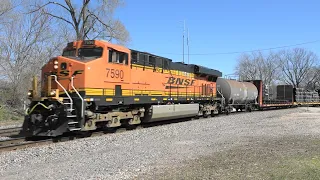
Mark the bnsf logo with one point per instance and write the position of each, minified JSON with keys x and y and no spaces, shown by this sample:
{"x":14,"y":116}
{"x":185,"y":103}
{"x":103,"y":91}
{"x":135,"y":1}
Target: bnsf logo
{"x":180,"y":81}
{"x":64,"y":73}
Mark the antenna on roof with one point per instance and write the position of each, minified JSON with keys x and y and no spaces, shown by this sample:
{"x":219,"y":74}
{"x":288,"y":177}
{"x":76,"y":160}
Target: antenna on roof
{"x":184,"y":26}
{"x":188,"y":43}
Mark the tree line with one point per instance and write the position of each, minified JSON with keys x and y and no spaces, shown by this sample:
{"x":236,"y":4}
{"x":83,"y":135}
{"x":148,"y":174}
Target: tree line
{"x":298,"y":67}
{"x":32,"y":32}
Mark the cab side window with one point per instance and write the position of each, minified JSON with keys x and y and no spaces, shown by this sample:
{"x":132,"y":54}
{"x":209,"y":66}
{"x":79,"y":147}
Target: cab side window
{"x":165,"y":64}
{"x":118,"y":57}
{"x":152,"y":61}
{"x":134,"y":57}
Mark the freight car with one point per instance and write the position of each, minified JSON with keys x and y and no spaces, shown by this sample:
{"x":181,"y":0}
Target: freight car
{"x":238,"y":95}
{"x":306,"y":97}
{"x":98,"y":85}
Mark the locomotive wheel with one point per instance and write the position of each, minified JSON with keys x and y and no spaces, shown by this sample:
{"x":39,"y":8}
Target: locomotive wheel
{"x":228,"y":110}
{"x":212,"y":114}
{"x":206,"y":114}
{"x":248,"y":108}
{"x":84,"y":134}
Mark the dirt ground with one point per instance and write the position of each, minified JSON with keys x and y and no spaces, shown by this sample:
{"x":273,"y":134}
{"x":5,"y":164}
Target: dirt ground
{"x":277,"y":144}
{"x":285,"y":157}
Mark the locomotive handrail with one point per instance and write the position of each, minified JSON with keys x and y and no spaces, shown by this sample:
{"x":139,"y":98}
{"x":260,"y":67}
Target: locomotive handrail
{"x":82,"y":100}
{"x":224,"y":99}
{"x":56,"y":80}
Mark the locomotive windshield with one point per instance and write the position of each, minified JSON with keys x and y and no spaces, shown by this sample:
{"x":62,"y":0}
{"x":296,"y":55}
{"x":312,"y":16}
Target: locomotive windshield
{"x":90,"y":52}
{"x":83,"y":53}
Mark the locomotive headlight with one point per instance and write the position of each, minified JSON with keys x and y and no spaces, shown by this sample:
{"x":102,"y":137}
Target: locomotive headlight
{"x":55,"y":66}
{"x":30,"y":93}
{"x":52,"y":93}
{"x":55,"y":62}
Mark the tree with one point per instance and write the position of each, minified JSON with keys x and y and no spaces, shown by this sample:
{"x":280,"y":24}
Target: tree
{"x":258,"y":66}
{"x":24,"y":49}
{"x":5,"y":7}
{"x":313,"y":78}
{"x":296,"y":65}
{"x":90,"y":20}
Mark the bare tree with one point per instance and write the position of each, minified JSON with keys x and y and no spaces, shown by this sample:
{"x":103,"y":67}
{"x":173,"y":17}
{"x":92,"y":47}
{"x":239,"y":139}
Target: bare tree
{"x":23,"y":47}
{"x":296,"y":64}
{"x":6,"y":6}
{"x":246,"y":67}
{"x":313,"y":78}
{"x":258,"y":66}
{"x":90,"y":20}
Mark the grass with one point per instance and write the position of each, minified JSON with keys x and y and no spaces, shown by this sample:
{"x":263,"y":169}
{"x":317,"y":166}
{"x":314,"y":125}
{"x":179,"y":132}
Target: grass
{"x":297,"y":168}
{"x":274,"y":159}
{"x":8,"y":116}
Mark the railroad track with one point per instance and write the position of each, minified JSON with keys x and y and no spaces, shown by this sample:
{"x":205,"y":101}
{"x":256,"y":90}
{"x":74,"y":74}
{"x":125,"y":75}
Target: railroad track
{"x":20,"y":143}
{"x":10,"y":131}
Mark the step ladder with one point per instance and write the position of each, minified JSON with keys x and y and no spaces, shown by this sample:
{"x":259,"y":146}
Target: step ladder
{"x":73,"y":120}
{"x":73,"y":123}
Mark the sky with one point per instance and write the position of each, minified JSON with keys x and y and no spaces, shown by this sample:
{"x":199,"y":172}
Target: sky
{"x":218,"y":28}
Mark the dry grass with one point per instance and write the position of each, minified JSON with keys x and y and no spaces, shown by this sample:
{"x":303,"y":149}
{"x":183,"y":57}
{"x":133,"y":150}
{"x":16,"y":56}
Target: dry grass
{"x":8,"y":117}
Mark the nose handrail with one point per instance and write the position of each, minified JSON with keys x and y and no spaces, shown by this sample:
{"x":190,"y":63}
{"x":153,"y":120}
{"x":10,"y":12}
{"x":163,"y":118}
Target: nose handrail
{"x":69,"y":97}
{"x":82,"y":100}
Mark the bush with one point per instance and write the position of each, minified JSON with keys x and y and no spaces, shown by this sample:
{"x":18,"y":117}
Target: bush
{"x":8,"y":114}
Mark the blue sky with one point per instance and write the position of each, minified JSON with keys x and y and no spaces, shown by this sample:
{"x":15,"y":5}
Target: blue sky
{"x":219,"y":27}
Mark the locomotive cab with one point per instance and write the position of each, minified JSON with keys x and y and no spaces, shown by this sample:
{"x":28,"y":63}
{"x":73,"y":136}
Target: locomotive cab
{"x":67,"y":81}
{"x":98,"y":85}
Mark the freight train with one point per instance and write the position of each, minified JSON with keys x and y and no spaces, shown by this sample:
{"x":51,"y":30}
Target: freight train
{"x":98,"y":85}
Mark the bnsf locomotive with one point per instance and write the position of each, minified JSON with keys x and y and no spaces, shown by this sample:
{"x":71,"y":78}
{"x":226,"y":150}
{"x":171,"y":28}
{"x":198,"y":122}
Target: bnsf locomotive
{"x":96,"y":84}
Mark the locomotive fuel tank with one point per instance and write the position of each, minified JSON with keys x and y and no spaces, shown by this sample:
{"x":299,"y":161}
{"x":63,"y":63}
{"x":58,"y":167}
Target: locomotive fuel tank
{"x":237,"y":92}
{"x":173,"y":111}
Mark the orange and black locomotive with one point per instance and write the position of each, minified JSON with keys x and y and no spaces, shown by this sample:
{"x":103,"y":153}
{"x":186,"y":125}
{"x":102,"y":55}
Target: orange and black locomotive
{"x":96,"y":84}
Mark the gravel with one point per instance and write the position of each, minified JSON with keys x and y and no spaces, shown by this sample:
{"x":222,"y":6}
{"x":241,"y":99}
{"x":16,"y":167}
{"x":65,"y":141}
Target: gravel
{"x":151,"y":150}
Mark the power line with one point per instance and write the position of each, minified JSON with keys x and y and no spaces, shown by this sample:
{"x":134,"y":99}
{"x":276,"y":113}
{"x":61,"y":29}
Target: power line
{"x":239,"y":52}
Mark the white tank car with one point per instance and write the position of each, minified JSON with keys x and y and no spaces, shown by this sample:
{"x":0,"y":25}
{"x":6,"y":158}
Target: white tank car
{"x":236,"y":92}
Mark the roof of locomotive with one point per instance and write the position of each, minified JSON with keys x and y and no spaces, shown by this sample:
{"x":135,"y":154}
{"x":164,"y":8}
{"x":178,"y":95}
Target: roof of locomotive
{"x":181,"y":66}
{"x":191,"y":68}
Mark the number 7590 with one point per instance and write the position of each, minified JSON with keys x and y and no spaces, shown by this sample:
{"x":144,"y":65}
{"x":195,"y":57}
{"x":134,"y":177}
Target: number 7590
{"x":115,"y":73}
